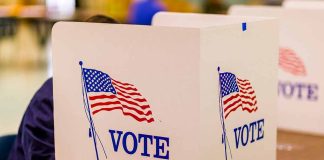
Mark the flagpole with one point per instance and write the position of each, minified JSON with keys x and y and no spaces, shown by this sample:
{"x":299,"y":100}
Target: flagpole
{"x":224,"y":136}
{"x":89,"y":112}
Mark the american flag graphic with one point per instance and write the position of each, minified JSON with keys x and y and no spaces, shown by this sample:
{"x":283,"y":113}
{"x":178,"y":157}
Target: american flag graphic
{"x":237,"y":93}
{"x":107,"y":94}
{"x":291,"y":63}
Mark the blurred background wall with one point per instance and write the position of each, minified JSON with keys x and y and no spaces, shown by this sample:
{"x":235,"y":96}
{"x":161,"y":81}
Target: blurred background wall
{"x":25,"y":29}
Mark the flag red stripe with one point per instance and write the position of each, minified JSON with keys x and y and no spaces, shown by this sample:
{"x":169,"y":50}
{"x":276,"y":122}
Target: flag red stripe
{"x":288,"y":54}
{"x":237,"y":95}
{"x":129,"y":97}
{"x":119,"y":98}
{"x":133,"y":103}
{"x":248,"y":97}
{"x":232,"y":104}
{"x":293,"y":70}
{"x":125,"y":113}
{"x":247,"y":88}
{"x":249,"y":109}
{"x":125,"y":88}
{"x":127,"y":101}
{"x":290,"y":59}
{"x":243,"y":108}
{"x":125,"y":84}
{"x":129,"y":93}
{"x":249,"y":103}
{"x":101,"y":97}
{"x":232,"y":110}
{"x":291,"y":65}
{"x":122,"y":105}
{"x":296,"y":64}
{"x":111,"y":96}
{"x":242,"y":80}
{"x":231,"y":98}
{"x":244,"y":84}
{"x":245,"y":92}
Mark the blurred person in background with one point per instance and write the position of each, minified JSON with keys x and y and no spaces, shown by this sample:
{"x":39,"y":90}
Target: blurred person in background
{"x":221,"y":6}
{"x":273,"y":2}
{"x":142,"y":11}
{"x":215,"y":6}
{"x":35,"y":139}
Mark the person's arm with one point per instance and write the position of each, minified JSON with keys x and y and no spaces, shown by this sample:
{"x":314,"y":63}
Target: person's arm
{"x":35,"y":139}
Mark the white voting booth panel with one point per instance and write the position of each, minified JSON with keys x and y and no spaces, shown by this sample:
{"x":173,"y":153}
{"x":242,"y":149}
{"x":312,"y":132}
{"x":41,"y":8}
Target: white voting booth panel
{"x":300,"y":104}
{"x":303,"y":4}
{"x":165,"y":92}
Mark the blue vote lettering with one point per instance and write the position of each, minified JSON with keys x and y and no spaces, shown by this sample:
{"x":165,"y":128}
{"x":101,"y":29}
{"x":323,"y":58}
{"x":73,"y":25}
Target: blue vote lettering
{"x":246,"y":134}
{"x":301,"y":91}
{"x":161,"y":143}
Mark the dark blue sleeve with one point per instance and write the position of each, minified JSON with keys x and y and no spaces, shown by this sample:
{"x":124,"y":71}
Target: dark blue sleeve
{"x":35,"y":139}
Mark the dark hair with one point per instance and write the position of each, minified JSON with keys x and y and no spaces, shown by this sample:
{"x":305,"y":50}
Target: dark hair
{"x":101,"y":19}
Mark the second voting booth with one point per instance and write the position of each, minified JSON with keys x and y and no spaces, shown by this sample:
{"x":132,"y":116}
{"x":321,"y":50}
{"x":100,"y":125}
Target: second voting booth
{"x":300,"y":81}
{"x":189,"y":87}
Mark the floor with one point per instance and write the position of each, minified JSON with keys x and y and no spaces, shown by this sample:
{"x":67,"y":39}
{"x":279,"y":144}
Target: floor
{"x":297,"y":146}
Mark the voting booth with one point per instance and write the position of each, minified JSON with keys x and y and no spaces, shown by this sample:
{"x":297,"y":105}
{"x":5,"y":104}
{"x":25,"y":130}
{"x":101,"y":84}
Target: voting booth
{"x":303,"y":4}
{"x":189,"y":87}
{"x":300,"y":103}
